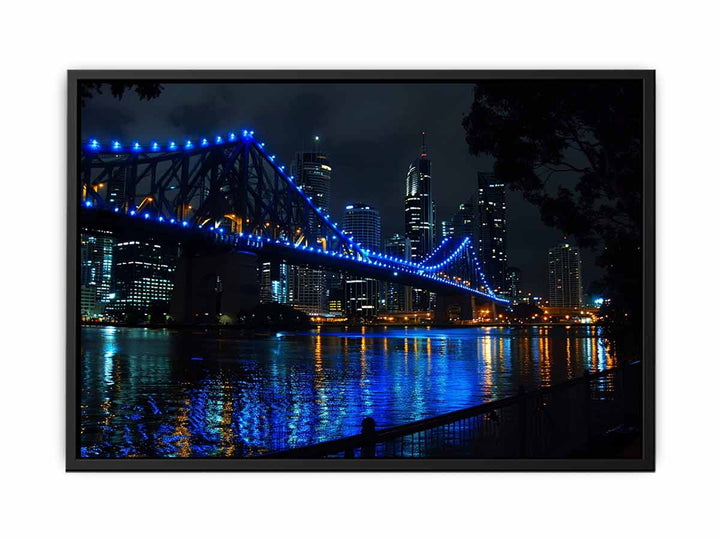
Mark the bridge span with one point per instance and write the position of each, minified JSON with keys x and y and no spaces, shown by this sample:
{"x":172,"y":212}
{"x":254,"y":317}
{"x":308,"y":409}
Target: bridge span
{"x":229,"y":194}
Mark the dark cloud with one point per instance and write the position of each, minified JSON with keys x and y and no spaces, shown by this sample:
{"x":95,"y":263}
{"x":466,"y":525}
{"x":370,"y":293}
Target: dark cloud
{"x":370,"y":131}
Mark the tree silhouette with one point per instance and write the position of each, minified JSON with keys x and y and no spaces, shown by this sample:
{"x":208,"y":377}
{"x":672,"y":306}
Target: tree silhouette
{"x":574,"y":149}
{"x":144,"y":90}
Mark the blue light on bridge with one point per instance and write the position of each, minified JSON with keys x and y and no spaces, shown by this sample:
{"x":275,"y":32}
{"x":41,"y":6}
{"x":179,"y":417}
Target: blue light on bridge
{"x":189,"y":145}
{"x":88,"y":203}
{"x":161,"y":219}
{"x":146,"y":216}
{"x":94,"y":144}
{"x":184,"y":223}
{"x":218,"y":140}
{"x":132,"y":212}
{"x":116,"y":145}
{"x":154,"y":146}
{"x":136,"y":147}
{"x":204,"y":142}
{"x":172,"y":145}
{"x":231,"y":136}
{"x":116,"y":210}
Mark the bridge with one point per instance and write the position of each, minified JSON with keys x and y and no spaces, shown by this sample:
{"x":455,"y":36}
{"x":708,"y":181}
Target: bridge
{"x":229,"y":194}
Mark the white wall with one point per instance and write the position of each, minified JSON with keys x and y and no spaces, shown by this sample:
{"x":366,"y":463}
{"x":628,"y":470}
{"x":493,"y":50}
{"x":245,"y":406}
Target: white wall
{"x":39,"y":42}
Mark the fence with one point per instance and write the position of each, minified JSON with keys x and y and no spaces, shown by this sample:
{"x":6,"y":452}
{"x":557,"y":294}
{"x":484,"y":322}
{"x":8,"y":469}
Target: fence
{"x":544,"y":423}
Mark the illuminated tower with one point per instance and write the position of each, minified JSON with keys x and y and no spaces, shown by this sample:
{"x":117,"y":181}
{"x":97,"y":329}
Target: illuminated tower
{"x":419,"y":204}
{"x":307,"y":289}
{"x":362,"y":223}
{"x":492,"y":230}
{"x":398,"y":297}
{"x":419,"y":216}
{"x":96,"y":264}
{"x":564,"y":277}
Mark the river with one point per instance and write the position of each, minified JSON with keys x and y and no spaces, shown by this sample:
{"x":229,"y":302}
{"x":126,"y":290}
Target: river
{"x":166,"y":393}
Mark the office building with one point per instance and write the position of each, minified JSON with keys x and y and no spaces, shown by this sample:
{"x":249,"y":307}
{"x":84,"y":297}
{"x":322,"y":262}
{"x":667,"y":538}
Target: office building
{"x":398,"y":297}
{"x":307,"y":287}
{"x":96,"y":266}
{"x":362,"y":222}
{"x":142,"y":280}
{"x":419,"y":216}
{"x":490,"y":236}
{"x":564,"y":277}
{"x":419,"y":204}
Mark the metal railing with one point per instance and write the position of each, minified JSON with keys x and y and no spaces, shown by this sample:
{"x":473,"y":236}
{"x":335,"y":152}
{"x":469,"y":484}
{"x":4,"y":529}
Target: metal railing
{"x":548,"y":422}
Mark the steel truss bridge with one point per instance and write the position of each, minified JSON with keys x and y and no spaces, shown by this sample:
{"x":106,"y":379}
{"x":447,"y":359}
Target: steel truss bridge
{"x":229,"y":192}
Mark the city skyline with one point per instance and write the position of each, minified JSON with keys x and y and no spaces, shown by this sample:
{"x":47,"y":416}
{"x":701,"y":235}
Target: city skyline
{"x":375,"y":154}
{"x":482,"y":219}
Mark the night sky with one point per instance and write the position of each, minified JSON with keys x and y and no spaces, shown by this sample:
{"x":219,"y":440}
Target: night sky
{"x":371,"y":133}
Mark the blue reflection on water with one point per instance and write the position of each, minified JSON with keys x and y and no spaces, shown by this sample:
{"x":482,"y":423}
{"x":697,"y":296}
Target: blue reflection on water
{"x":143,"y":394}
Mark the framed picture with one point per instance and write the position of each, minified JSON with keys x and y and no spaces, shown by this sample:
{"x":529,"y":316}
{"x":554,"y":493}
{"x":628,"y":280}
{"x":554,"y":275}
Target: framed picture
{"x":361,"y":270}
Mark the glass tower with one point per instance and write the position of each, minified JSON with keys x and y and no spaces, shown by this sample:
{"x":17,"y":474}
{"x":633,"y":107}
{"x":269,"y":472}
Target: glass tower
{"x":96,"y":265}
{"x":307,"y":288}
{"x":362,"y":223}
{"x":398,"y":297}
{"x":564,"y":277}
{"x":419,"y":216}
{"x":143,"y":280}
{"x":492,"y":230}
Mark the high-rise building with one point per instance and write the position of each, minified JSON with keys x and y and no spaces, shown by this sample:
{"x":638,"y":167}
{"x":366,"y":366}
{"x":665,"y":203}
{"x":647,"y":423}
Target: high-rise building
{"x":464,"y":223}
{"x":307,"y":289}
{"x":419,"y":204}
{"x":419,"y":216}
{"x":273,"y":282}
{"x":142,"y":279}
{"x":446,"y":228}
{"x":362,"y":222}
{"x":96,"y":266}
{"x":564,"y":277}
{"x":513,"y":284}
{"x":398,"y":297}
{"x":491,"y":232}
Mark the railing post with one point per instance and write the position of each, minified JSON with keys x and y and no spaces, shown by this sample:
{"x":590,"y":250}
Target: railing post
{"x":368,"y":435}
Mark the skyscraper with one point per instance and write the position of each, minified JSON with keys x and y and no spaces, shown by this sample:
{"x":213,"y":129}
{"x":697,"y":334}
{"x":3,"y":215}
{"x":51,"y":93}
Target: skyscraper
{"x":419,"y":215}
{"x":143,"y":279}
{"x":492,"y":230}
{"x":362,"y":222}
{"x":398,"y":297}
{"x":307,"y":289}
{"x":96,"y":266}
{"x":419,"y":204}
{"x":513,"y":284}
{"x":564,"y":277}
{"x":464,"y":223}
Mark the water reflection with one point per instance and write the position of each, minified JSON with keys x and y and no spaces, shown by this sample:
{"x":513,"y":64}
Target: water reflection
{"x":164,"y":393}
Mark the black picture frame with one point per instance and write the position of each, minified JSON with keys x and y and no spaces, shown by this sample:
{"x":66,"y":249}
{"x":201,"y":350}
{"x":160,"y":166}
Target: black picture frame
{"x":75,"y":463}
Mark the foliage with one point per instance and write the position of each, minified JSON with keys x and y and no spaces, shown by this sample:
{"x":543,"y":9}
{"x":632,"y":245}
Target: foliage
{"x":145,"y":90}
{"x":574,"y":149}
